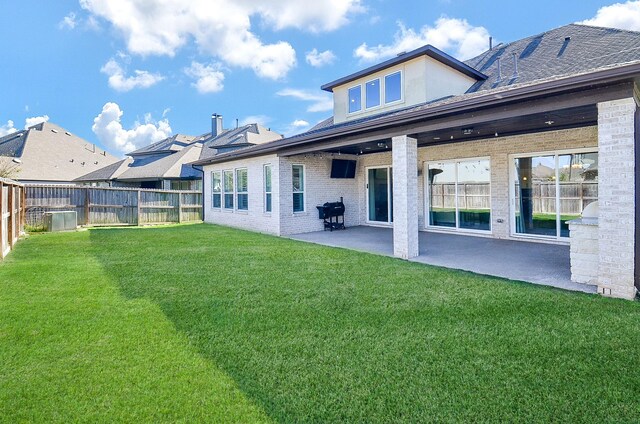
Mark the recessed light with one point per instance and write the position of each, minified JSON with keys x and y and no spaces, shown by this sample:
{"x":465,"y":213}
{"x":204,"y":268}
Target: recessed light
{"x":436,"y":138}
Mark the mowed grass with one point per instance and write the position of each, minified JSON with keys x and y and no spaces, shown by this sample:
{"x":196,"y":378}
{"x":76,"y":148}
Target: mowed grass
{"x":204,"y":323}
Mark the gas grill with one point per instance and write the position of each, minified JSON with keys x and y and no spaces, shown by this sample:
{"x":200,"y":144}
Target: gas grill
{"x":332,"y":214}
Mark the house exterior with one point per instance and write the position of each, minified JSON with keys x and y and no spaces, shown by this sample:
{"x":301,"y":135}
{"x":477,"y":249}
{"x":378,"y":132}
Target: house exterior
{"x":166,"y":163}
{"x":47,"y":153}
{"x":512,"y":144}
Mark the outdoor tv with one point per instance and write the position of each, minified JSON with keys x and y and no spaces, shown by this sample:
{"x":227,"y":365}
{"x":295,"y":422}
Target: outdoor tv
{"x":342,"y":168}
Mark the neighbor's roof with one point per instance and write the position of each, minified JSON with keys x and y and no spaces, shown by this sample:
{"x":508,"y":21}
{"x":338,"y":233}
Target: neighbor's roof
{"x":174,"y":143}
{"x":170,"y":158}
{"x":427,"y":50}
{"x":233,"y":139}
{"x":543,"y":62}
{"x":48,"y":152}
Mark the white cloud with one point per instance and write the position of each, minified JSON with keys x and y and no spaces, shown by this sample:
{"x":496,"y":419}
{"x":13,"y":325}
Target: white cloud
{"x":618,"y":15}
{"x":68,"y":21}
{"x":319,"y":59}
{"x":108,"y":128}
{"x":7,"y":128}
{"x":29,"y":122}
{"x":256,"y":119}
{"x":120,"y":82}
{"x":221,"y":30}
{"x":320,"y":102}
{"x":296,"y":127}
{"x":455,"y":36}
{"x":209,"y":78}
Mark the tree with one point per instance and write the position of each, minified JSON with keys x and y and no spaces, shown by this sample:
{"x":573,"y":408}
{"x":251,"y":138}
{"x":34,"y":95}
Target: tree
{"x":8,"y":168}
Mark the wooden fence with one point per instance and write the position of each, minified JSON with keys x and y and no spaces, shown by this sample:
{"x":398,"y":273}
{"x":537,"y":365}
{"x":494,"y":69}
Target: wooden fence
{"x":97,"y":206}
{"x":12,"y":214}
{"x":574,"y":196}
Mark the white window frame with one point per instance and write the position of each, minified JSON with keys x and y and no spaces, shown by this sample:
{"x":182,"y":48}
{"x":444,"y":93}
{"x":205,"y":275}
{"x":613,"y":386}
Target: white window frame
{"x":264,"y":186}
{"x":383,"y":87}
{"x":512,"y":192}
{"x":225,"y":192}
{"x":237,"y":191}
{"x":304,"y":183}
{"x":380,"y":100}
{"x":362,"y":104}
{"x":213,"y":193}
{"x":456,"y":229}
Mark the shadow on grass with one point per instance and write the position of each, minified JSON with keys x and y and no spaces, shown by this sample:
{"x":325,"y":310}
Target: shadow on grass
{"x":320,"y":334}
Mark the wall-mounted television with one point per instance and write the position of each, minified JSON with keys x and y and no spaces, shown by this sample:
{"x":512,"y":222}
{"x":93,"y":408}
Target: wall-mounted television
{"x":343,"y":168}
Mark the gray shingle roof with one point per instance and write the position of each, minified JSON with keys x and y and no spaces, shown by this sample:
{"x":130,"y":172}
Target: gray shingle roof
{"x":244,"y":136}
{"x":174,"y":143}
{"x":567,"y":50}
{"x":48,"y":152}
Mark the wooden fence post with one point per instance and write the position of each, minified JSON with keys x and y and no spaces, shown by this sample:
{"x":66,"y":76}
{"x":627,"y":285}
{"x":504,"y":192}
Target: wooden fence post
{"x":179,"y":207}
{"x":11,"y":217}
{"x":138,"y":208}
{"x":87,"y":206}
{"x":23,"y":203}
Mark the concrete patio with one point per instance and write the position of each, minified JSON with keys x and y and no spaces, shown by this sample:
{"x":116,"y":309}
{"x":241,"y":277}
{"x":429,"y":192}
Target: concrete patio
{"x":538,"y":263}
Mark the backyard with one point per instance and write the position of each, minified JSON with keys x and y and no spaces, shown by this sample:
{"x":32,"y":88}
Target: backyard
{"x":210,"y":324}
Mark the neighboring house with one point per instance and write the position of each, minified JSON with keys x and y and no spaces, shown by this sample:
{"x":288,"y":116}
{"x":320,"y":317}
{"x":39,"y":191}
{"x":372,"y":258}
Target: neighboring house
{"x":166,"y":164}
{"x":47,"y":153}
{"x":510,"y":144}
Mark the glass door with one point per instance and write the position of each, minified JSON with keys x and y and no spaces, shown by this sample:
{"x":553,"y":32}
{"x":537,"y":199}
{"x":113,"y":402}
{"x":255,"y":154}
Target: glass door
{"x":551,"y":189}
{"x":380,"y":195}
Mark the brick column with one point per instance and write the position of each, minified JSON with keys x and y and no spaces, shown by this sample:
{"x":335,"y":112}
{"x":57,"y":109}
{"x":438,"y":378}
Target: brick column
{"x":616,"y":198}
{"x":405,"y":197}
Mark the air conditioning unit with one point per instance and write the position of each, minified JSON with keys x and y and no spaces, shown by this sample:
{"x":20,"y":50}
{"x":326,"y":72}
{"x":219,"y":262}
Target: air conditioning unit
{"x":61,"y":221}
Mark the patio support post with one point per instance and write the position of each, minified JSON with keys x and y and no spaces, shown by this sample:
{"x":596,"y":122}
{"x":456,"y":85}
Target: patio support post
{"x":616,"y":197}
{"x":405,"y":197}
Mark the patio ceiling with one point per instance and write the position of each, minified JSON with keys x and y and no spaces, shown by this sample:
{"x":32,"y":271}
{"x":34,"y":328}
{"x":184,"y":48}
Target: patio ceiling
{"x":539,"y":122}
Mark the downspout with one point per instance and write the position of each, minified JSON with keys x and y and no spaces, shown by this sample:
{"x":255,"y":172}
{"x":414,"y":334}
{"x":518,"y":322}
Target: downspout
{"x":199,"y":168}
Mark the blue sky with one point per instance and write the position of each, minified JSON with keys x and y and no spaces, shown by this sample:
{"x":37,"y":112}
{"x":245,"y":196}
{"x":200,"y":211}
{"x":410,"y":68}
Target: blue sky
{"x":125,"y":73}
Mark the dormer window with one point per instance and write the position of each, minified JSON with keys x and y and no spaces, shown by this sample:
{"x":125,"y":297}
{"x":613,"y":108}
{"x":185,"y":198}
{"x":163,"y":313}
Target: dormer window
{"x":372,"y":93}
{"x":393,"y":87}
{"x":355,"y":99}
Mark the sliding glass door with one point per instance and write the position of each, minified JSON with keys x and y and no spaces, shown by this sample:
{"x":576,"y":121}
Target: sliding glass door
{"x":380,"y":195}
{"x":459,"y":194}
{"x":551,"y":189}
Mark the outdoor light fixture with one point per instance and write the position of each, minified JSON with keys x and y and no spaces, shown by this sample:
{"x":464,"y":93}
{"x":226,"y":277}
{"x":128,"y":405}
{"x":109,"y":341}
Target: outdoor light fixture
{"x":549,"y":122}
{"x":467,"y":131}
{"x":381,"y":145}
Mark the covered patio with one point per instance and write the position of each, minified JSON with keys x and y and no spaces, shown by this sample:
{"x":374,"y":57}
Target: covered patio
{"x":537,"y":263}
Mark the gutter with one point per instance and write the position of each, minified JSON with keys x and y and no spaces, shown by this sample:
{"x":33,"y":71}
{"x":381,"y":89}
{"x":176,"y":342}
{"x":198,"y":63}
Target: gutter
{"x":496,"y":98}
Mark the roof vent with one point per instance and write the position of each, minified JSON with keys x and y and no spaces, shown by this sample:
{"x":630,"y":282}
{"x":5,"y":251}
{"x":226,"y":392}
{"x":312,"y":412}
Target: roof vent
{"x":567,"y":38}
{"x":54,"y":130}
{"x":71,"y":160}
{"x":401,"y":53}
{"x":16,"y":160}
{"x":67,"y":133}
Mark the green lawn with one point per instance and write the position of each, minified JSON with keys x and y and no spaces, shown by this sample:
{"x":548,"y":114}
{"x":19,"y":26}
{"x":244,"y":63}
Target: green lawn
{"x":203,"y":323}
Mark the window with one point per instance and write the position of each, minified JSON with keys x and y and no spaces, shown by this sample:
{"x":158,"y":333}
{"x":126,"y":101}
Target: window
{"x":267,"y":188}
{"x":242,"y":184}
{"x":216,"y":189}
{"x":460,"y":194}
{"x":393,"y":87}
{"x":551,"y":189}
{"x":355,"y":99}
{"x":227,"y":176}
{"x":298,"y":188}
{"x":373,"y":93}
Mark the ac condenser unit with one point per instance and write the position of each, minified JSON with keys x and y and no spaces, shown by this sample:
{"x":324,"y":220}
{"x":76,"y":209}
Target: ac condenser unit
{"x":61,"y":221}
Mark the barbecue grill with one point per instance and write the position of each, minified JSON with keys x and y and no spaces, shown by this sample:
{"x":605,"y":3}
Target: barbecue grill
{"x":332,"y":214}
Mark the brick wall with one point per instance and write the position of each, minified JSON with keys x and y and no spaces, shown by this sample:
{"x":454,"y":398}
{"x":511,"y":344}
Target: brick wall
{"x":255,"y":218}
{"x":319,"y":188}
